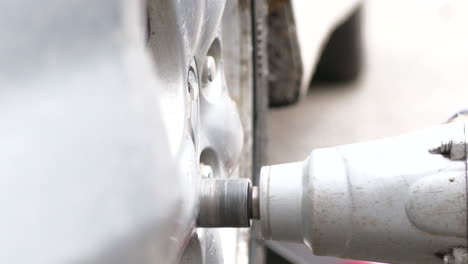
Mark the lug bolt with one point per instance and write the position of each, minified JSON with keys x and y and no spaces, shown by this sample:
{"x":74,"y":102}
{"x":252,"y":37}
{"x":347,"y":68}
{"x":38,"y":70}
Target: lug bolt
{"x":206,"y":171}
{"x":209,"y":70}
{"x":449,"y":259}
{"x":454,"y":150}
{"x":192,"y":83}
{"x":225,"y":203}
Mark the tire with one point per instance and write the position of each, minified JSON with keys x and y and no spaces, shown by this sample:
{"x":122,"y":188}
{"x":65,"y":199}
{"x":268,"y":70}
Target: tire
{"x":341,"y":59}
{"x":284,"y":60}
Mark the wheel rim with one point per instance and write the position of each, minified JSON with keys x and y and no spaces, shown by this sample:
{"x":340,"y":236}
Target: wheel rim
{"x":204,"y":57}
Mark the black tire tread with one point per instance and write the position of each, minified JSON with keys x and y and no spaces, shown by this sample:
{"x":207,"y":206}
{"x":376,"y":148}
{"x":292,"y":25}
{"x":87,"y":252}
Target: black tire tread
{"x":284,"y":60}
{"x":341,"y":58}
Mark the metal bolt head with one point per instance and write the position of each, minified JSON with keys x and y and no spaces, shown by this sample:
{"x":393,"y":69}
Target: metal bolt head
{"x":206,"y":171}
{"x":454,"y":150}
{"x":224,"y":203}
{"x":192,"y":84}
{"x":444,"y":148}
{"x":449,"y":259}
{"x":255,"y":203}
{"x":209,"y":69}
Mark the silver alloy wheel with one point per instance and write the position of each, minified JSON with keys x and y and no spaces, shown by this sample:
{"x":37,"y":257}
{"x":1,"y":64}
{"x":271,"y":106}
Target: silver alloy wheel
{"x":209,"y":115}
{"x":101,"y":155}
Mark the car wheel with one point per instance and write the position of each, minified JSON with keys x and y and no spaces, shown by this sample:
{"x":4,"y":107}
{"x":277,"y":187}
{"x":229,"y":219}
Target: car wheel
{"x":218,"y":107}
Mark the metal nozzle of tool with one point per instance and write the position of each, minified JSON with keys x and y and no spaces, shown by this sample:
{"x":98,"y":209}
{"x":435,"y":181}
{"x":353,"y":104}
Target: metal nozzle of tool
{"x":227,"y":203}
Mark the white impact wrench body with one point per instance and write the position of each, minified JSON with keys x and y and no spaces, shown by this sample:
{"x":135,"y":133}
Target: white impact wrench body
{"x":400,"y":200}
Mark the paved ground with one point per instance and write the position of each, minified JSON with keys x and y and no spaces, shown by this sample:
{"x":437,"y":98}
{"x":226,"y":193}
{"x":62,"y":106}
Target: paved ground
{"x":416,"y":76}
